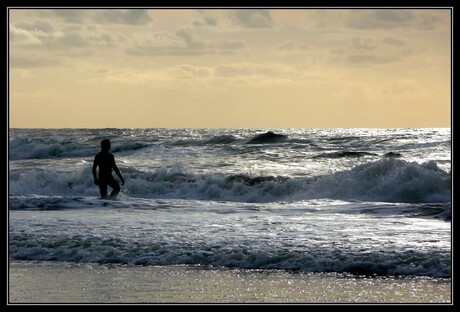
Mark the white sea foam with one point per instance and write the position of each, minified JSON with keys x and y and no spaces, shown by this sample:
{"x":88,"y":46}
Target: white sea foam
{"x":391,"y":180}
{"x":311,"y":237}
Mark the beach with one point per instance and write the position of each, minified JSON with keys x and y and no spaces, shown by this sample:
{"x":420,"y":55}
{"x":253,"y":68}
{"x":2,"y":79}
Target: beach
{"x":84,"y":283}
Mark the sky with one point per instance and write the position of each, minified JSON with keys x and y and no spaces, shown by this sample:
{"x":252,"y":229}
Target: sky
{"x":229,"y":68}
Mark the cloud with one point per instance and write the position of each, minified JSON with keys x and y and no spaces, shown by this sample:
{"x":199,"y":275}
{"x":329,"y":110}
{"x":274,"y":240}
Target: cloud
{"x":230,"y":46}
{"x":104,"y":39}
{"x":338,"y":51}
{"x":209,"y":77}
{"x":98,"y":16}
{"x":394,"y":41}
{"x":423,"y":20}
{"x":363,"y":44}
{"x":161,"y":40}
{"x":381,"y":19}
{"x":368,"y":51}
{"x":32,"y":33}
{"x":129,"y":17}
{"x":182,"y":42}
{"x":36,"y":26}
{"x":292,"y":46}
{"x":231,"y":71}
{"x":250,"y":18}
{"x":370,"y":59}
{"x":70,"y":15}
{"x":188,"y":71}
{"x":428,"y":21}
{"x":190,"y":40}
{"x":206,"y":22}
{"x":25,"y":62}
{"x":71,"y":40}
{"x":394,"y":16}
{"x":44,"y":37}
{"x":22,"y":36}
{"x":240,"y":70}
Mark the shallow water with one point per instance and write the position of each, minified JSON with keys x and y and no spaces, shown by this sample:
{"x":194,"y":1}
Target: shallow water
{"x":58,"y":282}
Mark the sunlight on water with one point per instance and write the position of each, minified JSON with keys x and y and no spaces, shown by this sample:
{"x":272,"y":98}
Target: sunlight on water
{"x":178,"y":284}
{"x":371,"y":202}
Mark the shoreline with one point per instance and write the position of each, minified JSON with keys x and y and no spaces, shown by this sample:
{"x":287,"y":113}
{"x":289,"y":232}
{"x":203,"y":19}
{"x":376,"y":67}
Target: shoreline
{"x":33,"y":282}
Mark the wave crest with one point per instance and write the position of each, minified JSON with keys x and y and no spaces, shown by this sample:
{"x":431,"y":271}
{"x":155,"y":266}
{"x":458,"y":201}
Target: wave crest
{"x":268,"y":137}
{"x":385,"y":180}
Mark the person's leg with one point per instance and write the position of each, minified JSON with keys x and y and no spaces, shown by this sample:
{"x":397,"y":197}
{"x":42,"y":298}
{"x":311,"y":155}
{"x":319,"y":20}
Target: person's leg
{"x":115,"y":186}
{"x":103,"y":188}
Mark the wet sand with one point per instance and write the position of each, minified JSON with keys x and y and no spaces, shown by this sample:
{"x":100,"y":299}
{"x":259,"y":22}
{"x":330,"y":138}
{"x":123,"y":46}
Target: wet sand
{"x":62,"y":282}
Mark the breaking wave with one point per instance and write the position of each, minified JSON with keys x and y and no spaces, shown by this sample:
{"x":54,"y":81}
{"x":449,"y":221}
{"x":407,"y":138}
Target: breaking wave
{"x":387,"y":180}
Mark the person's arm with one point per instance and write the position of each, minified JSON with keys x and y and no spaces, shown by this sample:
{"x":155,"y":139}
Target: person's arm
{"x":95,"y":163}
{"x":117,"y":171}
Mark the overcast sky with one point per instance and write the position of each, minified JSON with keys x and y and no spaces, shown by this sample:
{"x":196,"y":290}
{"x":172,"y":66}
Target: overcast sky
{"x":258,"y":68}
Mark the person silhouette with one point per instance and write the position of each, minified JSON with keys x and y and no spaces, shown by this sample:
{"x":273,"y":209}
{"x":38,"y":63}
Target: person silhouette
{"x":106,"y":162}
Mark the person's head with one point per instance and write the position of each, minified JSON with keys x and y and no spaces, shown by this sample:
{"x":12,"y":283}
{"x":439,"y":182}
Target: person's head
{"x":105,"y":145}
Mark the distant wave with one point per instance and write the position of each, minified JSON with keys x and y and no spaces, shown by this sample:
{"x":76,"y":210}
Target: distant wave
{"x":264,"y":138}
{"x":24,"y":148}
{"x":28,"y":148}
{"x":128,"y":146}
{"x":268,"y":137}
{"x":388,"y":180}
{"x":392,"y":154}
{"x":344,"y":154}
{"x":224,"y":139}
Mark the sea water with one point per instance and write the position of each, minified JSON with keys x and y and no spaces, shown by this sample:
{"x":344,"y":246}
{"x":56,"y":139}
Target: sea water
{"x":373,"y":202}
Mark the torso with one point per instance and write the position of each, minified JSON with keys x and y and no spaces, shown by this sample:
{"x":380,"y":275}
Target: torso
{"x":105,"y":162}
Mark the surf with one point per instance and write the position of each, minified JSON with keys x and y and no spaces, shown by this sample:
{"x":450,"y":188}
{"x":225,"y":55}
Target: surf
{"x":388,"y":179}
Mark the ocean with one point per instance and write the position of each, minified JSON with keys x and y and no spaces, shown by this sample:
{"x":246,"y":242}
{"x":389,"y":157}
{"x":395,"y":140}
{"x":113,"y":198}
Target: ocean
{"x":362,"y":202}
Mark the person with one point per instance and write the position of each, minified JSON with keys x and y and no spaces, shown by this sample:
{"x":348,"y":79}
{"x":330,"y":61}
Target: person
{"x":106,"y":162}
